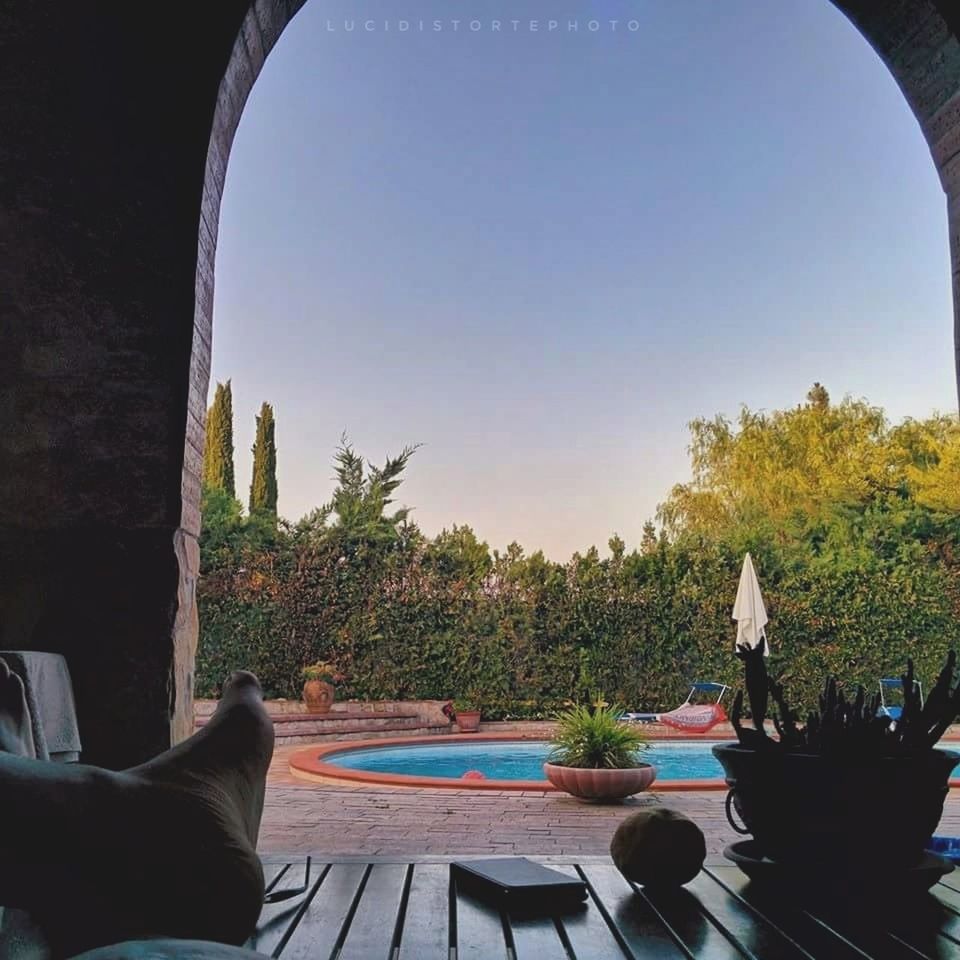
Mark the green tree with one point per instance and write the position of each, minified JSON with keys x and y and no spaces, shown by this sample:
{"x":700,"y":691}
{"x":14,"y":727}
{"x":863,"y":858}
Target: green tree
{"x":457,"y":554}
{"x":773,"y":472}
{"x":818,"y":397}
{"x":648,"y":544}
{"x":263,"y":483}
{"x":218,"y":450}
{"x":222,"y":531}
{"x":357,"y":511}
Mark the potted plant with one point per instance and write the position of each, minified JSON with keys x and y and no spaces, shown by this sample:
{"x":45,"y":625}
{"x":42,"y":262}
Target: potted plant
{"x":595,"y":756}
{"x":851,"y":795}
{"x":466,"y":711}
{"x":318,"y":687}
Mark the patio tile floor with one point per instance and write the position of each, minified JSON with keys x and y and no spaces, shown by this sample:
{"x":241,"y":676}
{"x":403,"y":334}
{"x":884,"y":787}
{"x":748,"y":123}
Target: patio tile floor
{"x":335,"y":820}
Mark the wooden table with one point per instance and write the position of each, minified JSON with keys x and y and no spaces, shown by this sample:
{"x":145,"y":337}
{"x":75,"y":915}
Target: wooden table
{"x":366,"y":910}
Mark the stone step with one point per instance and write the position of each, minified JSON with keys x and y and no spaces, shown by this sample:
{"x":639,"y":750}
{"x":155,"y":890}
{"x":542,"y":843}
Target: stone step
{"x":335,"y":717}
{"x":303,"y":728}
{"x":284,"y":736}
{"x":346,"y":725}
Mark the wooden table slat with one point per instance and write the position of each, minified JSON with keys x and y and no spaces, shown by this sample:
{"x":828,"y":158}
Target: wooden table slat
{"x":537,"y":938}
{"x":356,"y":910}
{"x":587,"y":931}
{"x":932,"y":927}
{"x":277,"y":918}
{"x":323,"y":922}
{"x":631,"y":915}
{"x":371,"y":931}
{"x":479,"y":929}
{"x":757,"y":936}
{"x":950,"y":900}
{"x":273,"y":870}
{"x":884,"y":935}
{"x":802,"y":928}
{"x":426,"y":922}
{"x":680,"y":911}
{"x":952,"y":880}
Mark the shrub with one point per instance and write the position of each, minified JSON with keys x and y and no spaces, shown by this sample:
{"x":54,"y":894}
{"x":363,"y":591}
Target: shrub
{"x":594,"y":737}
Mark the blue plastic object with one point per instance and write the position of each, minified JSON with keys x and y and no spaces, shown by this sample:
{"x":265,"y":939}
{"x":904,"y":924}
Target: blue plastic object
{"x":948,"y":847}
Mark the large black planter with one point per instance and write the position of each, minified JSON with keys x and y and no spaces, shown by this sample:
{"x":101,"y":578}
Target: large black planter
{"x":815,"y":812}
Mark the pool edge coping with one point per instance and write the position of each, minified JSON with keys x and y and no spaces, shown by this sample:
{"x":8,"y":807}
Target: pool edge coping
{"x":308,"y":764}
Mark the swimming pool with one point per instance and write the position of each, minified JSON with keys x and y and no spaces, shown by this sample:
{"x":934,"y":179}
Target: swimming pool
{"x":504,"y":763}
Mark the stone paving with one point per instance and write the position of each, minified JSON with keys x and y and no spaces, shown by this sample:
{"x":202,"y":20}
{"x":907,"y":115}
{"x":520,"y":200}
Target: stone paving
{"x":301,"y":817}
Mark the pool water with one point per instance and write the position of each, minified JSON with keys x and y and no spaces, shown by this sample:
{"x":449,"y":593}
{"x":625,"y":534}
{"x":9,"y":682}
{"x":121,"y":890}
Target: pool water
{"x":517,"y":760}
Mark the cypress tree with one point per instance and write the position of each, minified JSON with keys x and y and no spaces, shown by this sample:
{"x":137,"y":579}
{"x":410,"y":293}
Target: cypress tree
{"x":818,"y":398}
{"x":649,"y":542}
{"x":263,"y":483}
{"x":218,"y":451}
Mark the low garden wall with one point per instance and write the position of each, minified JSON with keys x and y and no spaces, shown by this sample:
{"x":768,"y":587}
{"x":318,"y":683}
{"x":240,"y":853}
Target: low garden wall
{"x":429,"y":711}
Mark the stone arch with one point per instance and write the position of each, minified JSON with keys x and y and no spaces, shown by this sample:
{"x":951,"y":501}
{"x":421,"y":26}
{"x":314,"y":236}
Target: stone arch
{"x":109,"y":204}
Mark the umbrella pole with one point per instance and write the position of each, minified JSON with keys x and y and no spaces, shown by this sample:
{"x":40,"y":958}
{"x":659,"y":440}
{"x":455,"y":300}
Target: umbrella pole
{"x":758,"y":683}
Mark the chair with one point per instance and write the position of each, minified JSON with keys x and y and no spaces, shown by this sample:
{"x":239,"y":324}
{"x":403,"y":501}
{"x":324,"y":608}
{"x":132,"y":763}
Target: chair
{"x":891,"y":710}
{"x":698,"y":718}
{"x":690,"y":716}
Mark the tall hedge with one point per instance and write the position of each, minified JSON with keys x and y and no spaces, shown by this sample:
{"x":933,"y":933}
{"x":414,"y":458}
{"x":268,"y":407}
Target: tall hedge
{"x":854,"y":527}
{"x":531,"y":634}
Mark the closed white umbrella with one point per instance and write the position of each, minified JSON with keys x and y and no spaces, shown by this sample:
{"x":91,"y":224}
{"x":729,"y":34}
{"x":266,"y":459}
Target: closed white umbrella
{"x":749,"y":611}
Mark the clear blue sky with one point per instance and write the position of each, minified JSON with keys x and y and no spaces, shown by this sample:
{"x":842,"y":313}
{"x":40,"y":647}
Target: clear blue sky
{"x":541,"y":253}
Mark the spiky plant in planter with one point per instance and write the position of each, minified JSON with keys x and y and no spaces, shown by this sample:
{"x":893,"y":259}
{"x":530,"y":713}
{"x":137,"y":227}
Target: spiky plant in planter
{"x":850,"y":788}
{"x":594,"y":737}
{"x":856,"y":728}
{"x":596,"y":756}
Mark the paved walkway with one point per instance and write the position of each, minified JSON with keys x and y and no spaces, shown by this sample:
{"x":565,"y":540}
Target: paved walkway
{"x":301,"y":817}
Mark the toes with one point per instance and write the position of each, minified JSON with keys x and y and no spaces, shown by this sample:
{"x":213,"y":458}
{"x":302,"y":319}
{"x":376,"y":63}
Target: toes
{"x":242,"y":680}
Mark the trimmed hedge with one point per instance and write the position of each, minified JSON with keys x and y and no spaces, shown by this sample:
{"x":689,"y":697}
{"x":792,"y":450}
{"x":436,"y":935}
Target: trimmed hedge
{"x":525,"y":635}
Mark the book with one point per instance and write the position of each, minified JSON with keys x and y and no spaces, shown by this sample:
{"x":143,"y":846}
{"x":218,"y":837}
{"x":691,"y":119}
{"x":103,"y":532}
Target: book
{"x":518,"y":883}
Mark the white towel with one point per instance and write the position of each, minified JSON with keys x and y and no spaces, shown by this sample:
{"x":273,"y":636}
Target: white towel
{"x":53,"y":715}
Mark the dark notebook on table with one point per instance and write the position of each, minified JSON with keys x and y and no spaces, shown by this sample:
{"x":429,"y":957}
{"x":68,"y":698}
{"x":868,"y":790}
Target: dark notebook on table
{"x":518,"y":882}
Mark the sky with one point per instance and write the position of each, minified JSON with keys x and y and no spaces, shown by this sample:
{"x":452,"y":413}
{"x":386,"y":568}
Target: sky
{"x":541,"y":251}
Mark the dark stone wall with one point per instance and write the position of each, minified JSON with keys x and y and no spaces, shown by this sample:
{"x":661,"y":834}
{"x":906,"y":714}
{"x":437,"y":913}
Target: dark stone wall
{"x":116,"y":121}
{"x":919,"y":41}
{"x":105,"y":116}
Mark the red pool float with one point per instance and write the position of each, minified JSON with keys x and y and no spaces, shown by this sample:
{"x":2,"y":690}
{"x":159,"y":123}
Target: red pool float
{"x":474,"y":775}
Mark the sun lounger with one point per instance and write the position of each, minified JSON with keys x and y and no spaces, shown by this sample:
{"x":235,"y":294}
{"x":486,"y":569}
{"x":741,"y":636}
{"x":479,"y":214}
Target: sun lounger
{"x":696,"y":718}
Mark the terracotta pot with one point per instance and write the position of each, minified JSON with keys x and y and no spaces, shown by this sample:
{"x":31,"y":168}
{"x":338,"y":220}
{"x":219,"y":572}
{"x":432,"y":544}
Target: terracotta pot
{"x":823,"y":812}
{"x":318,"y":696}
{"x":590,"y":784}
{"x":468,"y":721}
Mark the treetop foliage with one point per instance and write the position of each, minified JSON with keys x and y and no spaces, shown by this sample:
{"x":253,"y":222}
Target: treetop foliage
{"x":853,"y":524}
{"x":789,"y":473}
{"x":218,"y":448}
{"x":263,"y":481}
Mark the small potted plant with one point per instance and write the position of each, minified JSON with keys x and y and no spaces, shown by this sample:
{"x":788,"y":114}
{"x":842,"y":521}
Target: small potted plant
{"x":595,"y":756}
{"x":466,"y":711}
{"x":850,"y":795}
{"x":318,"y":688}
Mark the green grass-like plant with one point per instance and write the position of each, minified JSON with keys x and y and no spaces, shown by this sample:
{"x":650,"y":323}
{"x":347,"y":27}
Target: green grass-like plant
{"x":594,"y":737}
{"x":321,"y":670}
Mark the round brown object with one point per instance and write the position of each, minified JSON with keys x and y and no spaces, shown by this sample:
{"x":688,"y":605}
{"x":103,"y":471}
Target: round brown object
{"x":658,"y":847}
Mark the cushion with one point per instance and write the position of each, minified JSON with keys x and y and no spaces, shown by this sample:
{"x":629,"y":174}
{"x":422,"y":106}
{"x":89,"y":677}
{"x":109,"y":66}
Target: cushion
{"x":163,"y":949}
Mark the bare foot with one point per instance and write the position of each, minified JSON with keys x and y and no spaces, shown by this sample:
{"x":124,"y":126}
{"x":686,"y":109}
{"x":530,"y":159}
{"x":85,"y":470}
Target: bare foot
{"x":166,"y":849}
{"x":228,"y":758}
{"x":16,"y":734}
